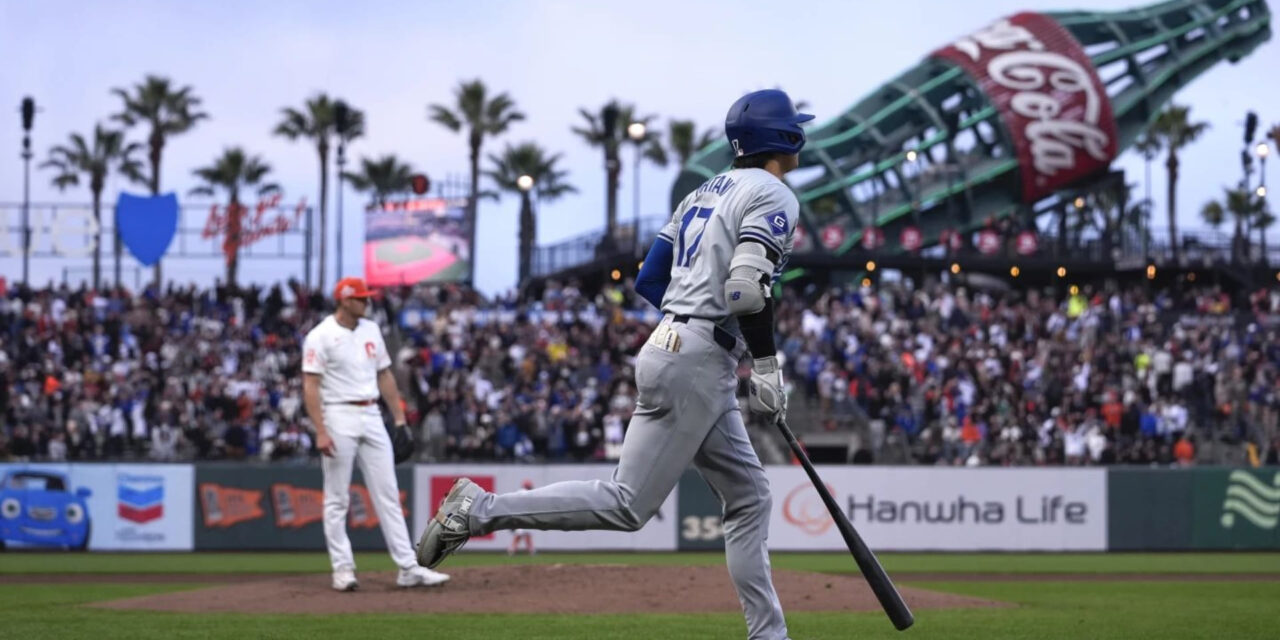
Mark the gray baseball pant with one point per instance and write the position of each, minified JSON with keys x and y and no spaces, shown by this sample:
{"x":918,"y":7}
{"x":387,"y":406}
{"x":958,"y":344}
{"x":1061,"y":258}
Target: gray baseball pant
{"x":686,"y":411}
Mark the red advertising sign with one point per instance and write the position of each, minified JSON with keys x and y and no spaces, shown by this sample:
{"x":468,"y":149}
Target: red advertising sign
{"x":988,"y":242}
{"x":1027,"y":243}
{"x":224,"y":506}
{"x":801,"y":239}
{"x":872,"y":238}
{"x":1049,"y":97}
{"x":296,"y":506}
{"x":253,"y":224}
{"x":832,"y":236}
{"x":951,"y":239}
{"x":910,"y":239}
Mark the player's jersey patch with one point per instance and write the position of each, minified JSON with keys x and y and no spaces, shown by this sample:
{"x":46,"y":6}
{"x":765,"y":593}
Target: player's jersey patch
{"x":778,"y":223}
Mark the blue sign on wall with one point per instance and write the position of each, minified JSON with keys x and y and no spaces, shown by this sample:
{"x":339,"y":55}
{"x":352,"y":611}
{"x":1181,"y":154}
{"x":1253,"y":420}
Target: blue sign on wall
{"x":147,"y":224}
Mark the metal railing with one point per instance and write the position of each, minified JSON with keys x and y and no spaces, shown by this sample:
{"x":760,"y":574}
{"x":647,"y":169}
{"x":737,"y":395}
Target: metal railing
{"x":588,"y":247}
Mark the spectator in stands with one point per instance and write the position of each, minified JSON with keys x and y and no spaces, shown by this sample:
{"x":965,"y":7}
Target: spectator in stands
{"x":21,"y":447}
{"x":56,"y":449}
{"x":1272,"y":458}
{"x":940,"y":373}
{"x":1183,"y":451}
{"x":165,"y":442}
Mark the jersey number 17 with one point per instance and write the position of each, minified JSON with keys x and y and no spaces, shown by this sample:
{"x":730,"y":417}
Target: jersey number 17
{"x":684,"y":256}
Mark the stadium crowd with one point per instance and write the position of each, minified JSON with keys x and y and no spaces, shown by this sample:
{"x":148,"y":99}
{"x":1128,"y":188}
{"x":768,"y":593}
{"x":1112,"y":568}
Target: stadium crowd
{"x":943,"y":374}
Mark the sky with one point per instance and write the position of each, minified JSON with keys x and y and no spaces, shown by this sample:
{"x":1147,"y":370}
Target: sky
{"x":672,"y":58}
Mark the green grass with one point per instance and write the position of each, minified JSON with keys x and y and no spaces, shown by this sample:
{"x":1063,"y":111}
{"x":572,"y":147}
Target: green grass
{"x":1039,"y":609}
{"x":1043,"y":610}
{"x":403,"y":250}
{"x":824,"y":562}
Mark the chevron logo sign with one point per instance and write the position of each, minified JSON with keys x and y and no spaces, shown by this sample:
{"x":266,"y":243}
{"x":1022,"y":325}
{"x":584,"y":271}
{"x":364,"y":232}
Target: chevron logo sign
{"x":140,"y":498}
{"x":1252,"y":500}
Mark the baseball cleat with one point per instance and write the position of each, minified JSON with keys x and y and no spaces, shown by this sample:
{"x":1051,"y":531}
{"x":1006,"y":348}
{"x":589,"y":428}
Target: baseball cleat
{"x":345,"y":580}
{"x":420,"y":577}
{"x":448,"y":530}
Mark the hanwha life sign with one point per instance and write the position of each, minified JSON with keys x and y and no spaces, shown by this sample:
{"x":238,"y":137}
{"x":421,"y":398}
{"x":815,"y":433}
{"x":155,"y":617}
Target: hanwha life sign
{"x":803,"y":509}
{"x":954,"y":509}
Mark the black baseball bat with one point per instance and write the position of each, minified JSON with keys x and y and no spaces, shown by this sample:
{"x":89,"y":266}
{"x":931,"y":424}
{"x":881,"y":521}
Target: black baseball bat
{"x":886,"y":593}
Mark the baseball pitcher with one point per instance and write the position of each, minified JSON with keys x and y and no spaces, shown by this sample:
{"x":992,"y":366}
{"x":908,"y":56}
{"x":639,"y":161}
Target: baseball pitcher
{"x":710,"y":271}
{"x":345,"y":369}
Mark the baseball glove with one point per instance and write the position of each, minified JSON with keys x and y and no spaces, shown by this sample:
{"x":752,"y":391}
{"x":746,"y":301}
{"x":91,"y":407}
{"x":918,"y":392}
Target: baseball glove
{"x":401,"y":442}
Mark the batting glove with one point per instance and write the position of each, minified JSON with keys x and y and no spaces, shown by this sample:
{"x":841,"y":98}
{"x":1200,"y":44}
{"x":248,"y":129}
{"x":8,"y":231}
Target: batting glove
{"x":767,"y":391}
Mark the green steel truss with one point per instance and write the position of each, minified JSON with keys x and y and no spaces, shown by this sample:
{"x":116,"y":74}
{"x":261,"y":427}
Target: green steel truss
{"x":855,"y":170}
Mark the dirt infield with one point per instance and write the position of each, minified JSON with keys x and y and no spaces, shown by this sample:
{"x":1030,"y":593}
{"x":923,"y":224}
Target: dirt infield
{"x":571,"y":589}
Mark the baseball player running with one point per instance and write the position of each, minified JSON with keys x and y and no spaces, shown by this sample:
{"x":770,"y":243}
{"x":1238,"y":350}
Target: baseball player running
{"x":522,"y":534}
{"x":345,"y":368}
{"x":710,"y":271}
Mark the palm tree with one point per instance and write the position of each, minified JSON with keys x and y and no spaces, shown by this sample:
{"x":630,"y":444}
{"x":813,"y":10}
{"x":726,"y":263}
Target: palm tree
{"x":384,"y":177}
{"x":1175,"y":130}
{"x":234,"y":172}
{"x":1119,"y":216}
{"x":1263,"y":222}
{"x":647,"y":147}
{"x":547,"y":180}
{"x":601,"y":131}
{"x":483,"y":117}
{"x":608,"y":130}
{"x":167,"y":111}
{"x":1213,"y":213}
{"x":683,"y":139}
{"x":650,"y":144}
{"x":108,"y":152}
{"x":1148,"y":146}
{"x":1241,"y":205}
{"x":316,"y":123}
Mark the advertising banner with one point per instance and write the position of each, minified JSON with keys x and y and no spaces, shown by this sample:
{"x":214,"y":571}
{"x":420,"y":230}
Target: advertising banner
{"x":934,"y":508}
{"x":99,"y":507}
{"x":1236,"y":509}
{"x":243,"y":507}
{"x":1049,"y":96}
{"x":426,"y":240}
{"x":432,"y":483}
{"x":1163,"y":509}
{"x":699,"y":526}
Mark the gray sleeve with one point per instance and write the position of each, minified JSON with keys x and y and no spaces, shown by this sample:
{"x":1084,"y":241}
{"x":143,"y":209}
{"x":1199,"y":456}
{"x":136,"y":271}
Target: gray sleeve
{"x":672,"y":227}
{"x":770,"y":219}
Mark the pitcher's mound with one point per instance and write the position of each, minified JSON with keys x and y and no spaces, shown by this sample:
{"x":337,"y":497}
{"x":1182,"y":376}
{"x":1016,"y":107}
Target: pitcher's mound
{"x":568,"y":588}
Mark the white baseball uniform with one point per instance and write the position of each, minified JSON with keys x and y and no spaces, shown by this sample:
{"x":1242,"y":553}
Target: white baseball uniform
{"x":348,"y":361}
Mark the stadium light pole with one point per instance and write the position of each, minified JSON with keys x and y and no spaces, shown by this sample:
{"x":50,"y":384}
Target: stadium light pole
{"x":1262,"y":150}
{"x":917,"y":198}
{"x":636,"y":131}
{"x":28,"y":118}
{"x":525,"y":184}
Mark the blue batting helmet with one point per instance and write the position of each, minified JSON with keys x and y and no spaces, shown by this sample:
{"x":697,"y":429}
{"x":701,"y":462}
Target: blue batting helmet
{"x":764,"y":121}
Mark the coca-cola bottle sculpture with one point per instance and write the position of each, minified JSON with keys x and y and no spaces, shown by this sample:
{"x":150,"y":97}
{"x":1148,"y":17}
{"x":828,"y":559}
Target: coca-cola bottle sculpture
{"x":998,"y":120}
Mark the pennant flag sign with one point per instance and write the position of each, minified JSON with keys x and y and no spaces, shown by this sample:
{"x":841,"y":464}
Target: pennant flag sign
{"x":147,"y":224}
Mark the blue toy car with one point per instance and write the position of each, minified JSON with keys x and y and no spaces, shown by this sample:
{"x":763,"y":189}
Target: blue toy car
{"x":37,"y":509}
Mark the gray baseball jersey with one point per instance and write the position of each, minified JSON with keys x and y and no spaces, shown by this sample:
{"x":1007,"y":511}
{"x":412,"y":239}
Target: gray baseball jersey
{"x":709,"y":224}
{"x":686,"y":409}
